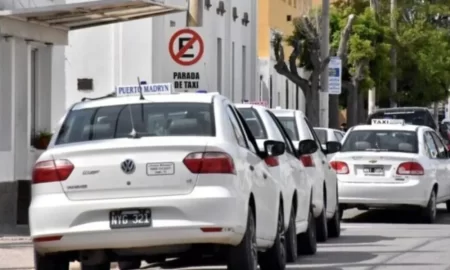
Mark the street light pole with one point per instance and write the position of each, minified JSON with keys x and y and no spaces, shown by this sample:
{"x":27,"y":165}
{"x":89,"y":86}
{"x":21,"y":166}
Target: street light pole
{"x":325,"y":51}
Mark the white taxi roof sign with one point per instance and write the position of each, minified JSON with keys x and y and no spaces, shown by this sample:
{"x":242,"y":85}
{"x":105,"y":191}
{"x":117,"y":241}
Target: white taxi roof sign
{"x":388,"y":121}
{"x":256,"y":102}
{"x":147,"y":89}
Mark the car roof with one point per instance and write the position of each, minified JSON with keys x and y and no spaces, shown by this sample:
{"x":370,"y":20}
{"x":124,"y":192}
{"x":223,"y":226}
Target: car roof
{"x":332,"y":129}
{"x":405,"y":127}
{"x":285,"y":112}
{"x":163,"y":98}
{"x":401,"y":109}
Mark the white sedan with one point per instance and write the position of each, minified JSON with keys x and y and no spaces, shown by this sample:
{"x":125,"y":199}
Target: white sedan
{"x":126,"y":178}
{"x":392,"y":165}
{"x":296,"y":185}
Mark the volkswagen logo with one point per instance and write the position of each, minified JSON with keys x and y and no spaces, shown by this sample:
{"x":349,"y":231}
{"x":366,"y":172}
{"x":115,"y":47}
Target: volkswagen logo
{"x":128,"y":166}
{"x":373,"y":161}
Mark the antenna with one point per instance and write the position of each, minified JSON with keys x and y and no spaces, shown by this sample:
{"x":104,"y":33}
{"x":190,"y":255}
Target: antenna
{"x":207,"y":81}
{"x":141,"y":95}
{"x":133,"y":134}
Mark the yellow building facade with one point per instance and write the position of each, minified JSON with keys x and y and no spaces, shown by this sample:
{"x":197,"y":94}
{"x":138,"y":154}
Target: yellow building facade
{"x":278,"y":15}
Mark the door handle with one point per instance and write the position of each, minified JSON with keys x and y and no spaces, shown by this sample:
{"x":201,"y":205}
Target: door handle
{"x":252,"y":168}
{"x":264,"y":176}
{"x":323,"y":161}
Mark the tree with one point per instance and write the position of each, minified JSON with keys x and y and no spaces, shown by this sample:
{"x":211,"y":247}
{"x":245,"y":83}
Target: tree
{"x":305,"y":42}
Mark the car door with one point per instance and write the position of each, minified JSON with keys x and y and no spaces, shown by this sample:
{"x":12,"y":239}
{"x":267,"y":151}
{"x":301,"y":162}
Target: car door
{"x":442,"y":158}
{"x":431,"y":151}
{"x":302,"y":185}
{"x":328,"y":174}
{"x":265,"y":186}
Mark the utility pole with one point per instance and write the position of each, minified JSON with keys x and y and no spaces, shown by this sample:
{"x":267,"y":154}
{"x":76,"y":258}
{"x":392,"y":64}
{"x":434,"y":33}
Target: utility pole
{"x":393,"y":55}
{"x":371,"y":99}
{"x":325,"y":51}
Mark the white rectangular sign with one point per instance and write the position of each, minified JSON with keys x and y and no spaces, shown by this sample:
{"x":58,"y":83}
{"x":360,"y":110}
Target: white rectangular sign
{"x":335,"y":76}
{"x":147,"y":89}
{"x":388,"y":121}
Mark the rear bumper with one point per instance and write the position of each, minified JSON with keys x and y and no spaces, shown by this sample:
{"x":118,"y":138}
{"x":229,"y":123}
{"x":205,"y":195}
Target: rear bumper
{"x":176,"y":220}
{"x":413,"y":192}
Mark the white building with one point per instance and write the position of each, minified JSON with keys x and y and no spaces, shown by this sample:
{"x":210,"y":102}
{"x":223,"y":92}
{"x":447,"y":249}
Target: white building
{"x":32,"y":78}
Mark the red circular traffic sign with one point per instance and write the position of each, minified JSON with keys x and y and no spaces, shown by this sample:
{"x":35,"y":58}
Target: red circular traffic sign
{"x":194,"y":38}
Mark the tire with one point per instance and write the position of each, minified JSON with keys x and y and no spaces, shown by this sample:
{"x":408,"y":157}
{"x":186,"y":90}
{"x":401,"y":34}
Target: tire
{"x":50,"y":262}
{"x":291,"y":240}
{"x":245,"y":255}
{"x":275,"y":257}
{"x":334,"y":224}
{"x":448,"y":206}
{"x":307,"y":241}
{"x":322,"y":226}
{"x":129,"y":265}
{"x":103,"y":266}
{"x":429,"y":212}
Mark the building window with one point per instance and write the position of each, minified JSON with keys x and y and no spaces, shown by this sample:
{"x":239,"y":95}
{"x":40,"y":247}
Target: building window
{"x":33,"y":94}
{"x":219,"y":65}
{"x":232,"y":71}
{"x":244,"y":72}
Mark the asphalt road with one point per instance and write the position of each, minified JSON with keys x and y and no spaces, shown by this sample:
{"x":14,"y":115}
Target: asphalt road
{"x":378,"y":240}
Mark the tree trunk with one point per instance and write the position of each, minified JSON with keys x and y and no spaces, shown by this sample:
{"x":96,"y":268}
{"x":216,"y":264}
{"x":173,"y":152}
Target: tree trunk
{"x":361,"y":111}
{"x":333,"y":111}
{"x":312,"y":104}
{"x":352,"y":104}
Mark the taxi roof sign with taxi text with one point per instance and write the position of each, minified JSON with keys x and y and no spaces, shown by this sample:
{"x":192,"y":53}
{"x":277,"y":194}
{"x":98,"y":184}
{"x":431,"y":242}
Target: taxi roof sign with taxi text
{"x":388,"y":122}
{"x":147,"y":89}
{"x":256,"y":102}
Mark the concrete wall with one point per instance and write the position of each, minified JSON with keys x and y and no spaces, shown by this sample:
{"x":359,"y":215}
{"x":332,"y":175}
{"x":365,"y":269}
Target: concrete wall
{"x":120,"y":53}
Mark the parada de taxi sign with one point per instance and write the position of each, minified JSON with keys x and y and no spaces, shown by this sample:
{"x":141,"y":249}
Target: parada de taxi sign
{"x":388,"y":122}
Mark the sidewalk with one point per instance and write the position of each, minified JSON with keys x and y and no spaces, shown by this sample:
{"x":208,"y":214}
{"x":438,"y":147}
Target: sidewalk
{"x":16,"y":253}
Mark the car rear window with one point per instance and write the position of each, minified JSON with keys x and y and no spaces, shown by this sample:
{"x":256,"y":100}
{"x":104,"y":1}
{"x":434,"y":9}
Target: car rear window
{"x":410,"y":117}
{"x":322,"y":134}
{"x":254,"y":122}
{"x":291,"y":127}
{"x":381,"y":141}
{"x":151,"y":119}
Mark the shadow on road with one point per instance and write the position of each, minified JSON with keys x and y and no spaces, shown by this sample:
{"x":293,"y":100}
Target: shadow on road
{"x":357,"y":239}
{"x":337,"y":257}
{"x":396,"y":216}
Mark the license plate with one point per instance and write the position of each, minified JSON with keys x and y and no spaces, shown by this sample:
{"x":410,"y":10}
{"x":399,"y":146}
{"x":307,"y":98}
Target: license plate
{"x":132,"y":218}
{"x":373,"y":170}
{"x":164,"y":168}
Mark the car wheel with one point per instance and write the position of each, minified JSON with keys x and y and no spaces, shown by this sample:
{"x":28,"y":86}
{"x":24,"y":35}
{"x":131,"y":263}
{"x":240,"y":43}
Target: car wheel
{"x":448,"y":205}
{"x":245,"y":255}
{"x":334,"y":225}
{"x":322,"y":226}
{"x":307,"y":241}
{"x":275,"y":257}
{"x":50,"y":262}
{"x":103,"y":266}
{"x":291,"y":239}
{"x":429,"y":212}
{"x":129,"y":265}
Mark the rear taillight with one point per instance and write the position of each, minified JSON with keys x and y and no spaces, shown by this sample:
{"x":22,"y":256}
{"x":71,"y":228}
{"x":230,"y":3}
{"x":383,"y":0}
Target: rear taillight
{"x":339,"y":167}
{"x":52,"y":171}
{"x":410,"y":168}
{"x":209,"y":162}
{"x":307,"y":161}
{"x":272,"y":161}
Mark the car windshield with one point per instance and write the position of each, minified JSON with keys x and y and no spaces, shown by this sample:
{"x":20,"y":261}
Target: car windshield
{"x":410,"y":117}
{"x":254,"y":123}
{"x":322,"y":134}
{"x":381,"y":141}
{"x":290,"y":126}
{"x":152,"y":119}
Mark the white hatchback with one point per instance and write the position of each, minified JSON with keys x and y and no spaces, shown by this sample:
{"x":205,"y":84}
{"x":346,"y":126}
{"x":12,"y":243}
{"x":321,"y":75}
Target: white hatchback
{"x":325,"y":193}
{"x":296,"y":186}
{"x":393,"y":165}
{"x":125,"y":179}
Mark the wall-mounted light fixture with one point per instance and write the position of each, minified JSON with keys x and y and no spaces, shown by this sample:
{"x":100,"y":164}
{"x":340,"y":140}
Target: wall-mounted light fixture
{"x":245,"y":19}
{"x":208,"y":4}
{"x":221,"y":8}
{"x":235,"y":14}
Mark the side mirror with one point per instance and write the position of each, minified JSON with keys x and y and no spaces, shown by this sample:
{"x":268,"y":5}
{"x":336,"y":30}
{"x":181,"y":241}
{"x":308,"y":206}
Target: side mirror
{"x":333,"y":147}
{"x":307,"y":147}
{"x":274,"y":148}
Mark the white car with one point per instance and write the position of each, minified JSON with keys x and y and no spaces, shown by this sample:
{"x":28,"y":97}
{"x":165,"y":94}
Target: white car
{"x":329,"y":135}
{"x":128,"y":178}
{"x":325,"y":193}
{"x":389,"y":164}
{"x":296,"y":186}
